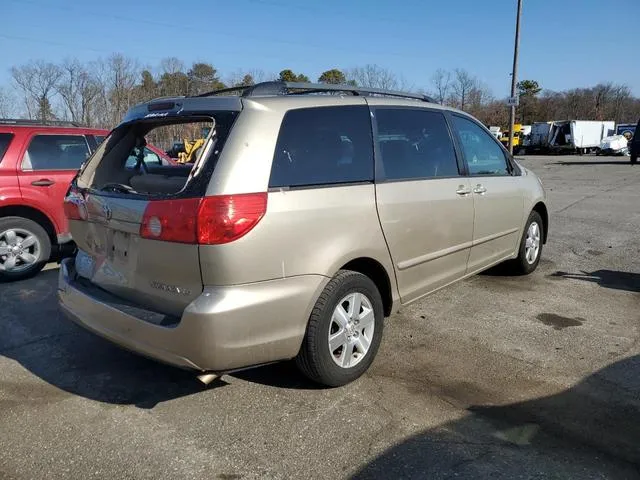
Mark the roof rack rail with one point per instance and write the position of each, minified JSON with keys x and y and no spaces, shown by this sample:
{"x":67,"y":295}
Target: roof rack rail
{"x":26,"y":121}
{"x":300,"y":88}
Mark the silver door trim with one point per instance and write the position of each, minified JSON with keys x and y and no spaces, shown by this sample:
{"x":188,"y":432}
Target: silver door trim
{"x":413,"y":262}
{"x":493,"y":236}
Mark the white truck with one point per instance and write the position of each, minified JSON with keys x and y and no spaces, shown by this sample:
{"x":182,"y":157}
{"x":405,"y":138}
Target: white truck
{"x":495,"y":131}
{"x":580,"y":136}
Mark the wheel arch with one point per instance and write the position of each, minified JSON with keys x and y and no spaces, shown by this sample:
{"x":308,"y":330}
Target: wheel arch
{"x":378,"y":274}
{"x":32,"y":214}
{"x":541,"y":209}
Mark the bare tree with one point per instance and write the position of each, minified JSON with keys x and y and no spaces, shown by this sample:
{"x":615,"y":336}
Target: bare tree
{"x":37,"y":81}
{"x":7,"y":103}
{"x":239,"y":77}
{"x":78,"y":89}
{"x":602,"y":94}
{"x":462,"y":85}
{"x":621,"y":100}
{"x":478,"y":98}
{"x":441,"y":81}
{"x":99,"y":93}
{"x":171,"y":65}
{"x":116,"y":77}
{"x":375,"y":77}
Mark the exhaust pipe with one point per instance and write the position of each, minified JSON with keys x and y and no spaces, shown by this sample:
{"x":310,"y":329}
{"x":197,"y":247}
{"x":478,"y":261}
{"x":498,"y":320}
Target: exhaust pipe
{"x":207,"y":377}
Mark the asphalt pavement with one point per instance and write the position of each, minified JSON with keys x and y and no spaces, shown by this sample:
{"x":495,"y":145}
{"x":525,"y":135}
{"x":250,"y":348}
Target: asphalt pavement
{"x":495,"y":377}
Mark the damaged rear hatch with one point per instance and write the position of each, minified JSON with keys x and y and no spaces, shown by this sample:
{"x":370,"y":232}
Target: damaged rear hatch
{"x":133,"y":216}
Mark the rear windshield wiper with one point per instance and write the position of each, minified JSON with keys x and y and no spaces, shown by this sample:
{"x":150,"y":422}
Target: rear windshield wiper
{"x":117,"y":188}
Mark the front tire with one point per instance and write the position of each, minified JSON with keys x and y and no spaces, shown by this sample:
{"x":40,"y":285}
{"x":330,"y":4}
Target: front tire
{"x":344,"y":330}
{"x":634,"y":159}
{"x":530,"y":246}
{"x":25,"y":248}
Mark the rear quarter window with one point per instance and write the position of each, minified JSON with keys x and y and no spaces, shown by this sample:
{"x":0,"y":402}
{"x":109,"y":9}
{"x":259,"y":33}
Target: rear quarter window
{"x":323,"y":146}
{"x":56,"y":152}
{"x":5,"y":141}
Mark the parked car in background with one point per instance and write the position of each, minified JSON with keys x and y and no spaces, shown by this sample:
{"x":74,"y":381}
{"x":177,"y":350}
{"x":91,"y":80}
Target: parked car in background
{"x":495,"y":131}
{"x":38,"y":160}
{"x":304,"y":221}
{"x":153,"y":156}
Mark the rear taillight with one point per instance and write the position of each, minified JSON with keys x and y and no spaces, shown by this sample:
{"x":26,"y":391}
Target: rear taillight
{"x":225,"y":218}
{"x":207,"y":221}
{"x":171,"y":220}
{"x":74,"y":205}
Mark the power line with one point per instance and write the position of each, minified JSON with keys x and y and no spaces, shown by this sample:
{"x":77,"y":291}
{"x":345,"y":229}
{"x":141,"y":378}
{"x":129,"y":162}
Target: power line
{"x":122,"y":18}
{"x":52,"y":42}
{"x":324,"y":8}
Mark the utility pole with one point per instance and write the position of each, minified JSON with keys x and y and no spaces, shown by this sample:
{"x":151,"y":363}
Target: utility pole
{"x":514,"y":78}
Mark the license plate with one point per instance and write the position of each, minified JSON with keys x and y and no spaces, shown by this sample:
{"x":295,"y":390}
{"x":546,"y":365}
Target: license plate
{"x":119,"y":250}
{"x":85,"y":264}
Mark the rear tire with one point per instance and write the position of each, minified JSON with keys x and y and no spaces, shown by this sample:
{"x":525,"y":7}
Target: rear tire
{"x":25,"y":248}
{"x":530,"y":247}
{"x":634,"y":160}
{"x":355,"y":335}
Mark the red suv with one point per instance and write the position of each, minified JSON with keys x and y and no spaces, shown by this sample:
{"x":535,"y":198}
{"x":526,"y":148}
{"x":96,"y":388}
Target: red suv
{"x":37,"y":163}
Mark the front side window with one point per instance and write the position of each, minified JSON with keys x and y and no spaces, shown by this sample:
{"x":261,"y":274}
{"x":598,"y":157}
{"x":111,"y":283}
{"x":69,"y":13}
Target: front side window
{"x":483,"y":155}
{"x":323,"y":146}
{"x":5,"y":140}
{"x":414,"y":144}
{"x":56,"y":152}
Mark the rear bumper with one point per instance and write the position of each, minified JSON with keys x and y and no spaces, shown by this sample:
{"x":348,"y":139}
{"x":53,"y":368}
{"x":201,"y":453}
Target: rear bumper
{"x":225,"y":328}
{"x":64,"y":238}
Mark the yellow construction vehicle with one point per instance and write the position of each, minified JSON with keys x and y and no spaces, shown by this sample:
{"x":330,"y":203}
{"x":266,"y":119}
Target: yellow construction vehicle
{"x":190,"y":150}
{"x":517,"y":130}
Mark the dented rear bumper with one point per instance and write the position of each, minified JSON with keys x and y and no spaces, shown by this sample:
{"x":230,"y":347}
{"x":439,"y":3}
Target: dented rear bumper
{"x":223,"y":329}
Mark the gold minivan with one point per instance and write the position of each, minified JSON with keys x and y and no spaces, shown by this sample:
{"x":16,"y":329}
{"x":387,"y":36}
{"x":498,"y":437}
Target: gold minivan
{"x":311,"y":213}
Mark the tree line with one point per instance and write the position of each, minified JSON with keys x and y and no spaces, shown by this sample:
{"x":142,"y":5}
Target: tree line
{"x":98,"y":93}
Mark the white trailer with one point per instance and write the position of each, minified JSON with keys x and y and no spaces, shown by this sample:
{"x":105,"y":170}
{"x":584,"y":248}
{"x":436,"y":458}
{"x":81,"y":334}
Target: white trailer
{"x":579,"y":135}
{"x":539,"y":137}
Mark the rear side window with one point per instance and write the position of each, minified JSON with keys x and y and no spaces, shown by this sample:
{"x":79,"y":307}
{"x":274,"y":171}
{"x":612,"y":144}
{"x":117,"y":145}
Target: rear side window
{"x":99,"y":138}
{"x":414,"y":144}
{"x":483,"y":154}
{"x":55,"y":152}
{"x":323,"y":146}
{"x":5,"y":140}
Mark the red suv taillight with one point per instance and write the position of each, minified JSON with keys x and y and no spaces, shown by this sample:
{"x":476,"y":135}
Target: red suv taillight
{"x":206,"y":221}
{"x":74,"y":205}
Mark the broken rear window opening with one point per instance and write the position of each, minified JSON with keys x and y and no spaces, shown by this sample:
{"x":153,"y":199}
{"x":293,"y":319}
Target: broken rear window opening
{"x":141,"y":159}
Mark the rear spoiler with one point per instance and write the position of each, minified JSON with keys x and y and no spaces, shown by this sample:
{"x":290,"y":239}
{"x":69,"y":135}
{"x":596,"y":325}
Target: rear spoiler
{"x":182,"y":106}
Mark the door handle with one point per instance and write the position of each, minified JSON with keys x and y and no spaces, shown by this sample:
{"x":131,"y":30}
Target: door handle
{"x":462,"y":190}
{"x":480,"y":189}
{"x":43,"y":182}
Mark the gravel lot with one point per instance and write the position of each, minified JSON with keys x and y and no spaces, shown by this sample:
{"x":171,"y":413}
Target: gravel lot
{"x":502,"y":377}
